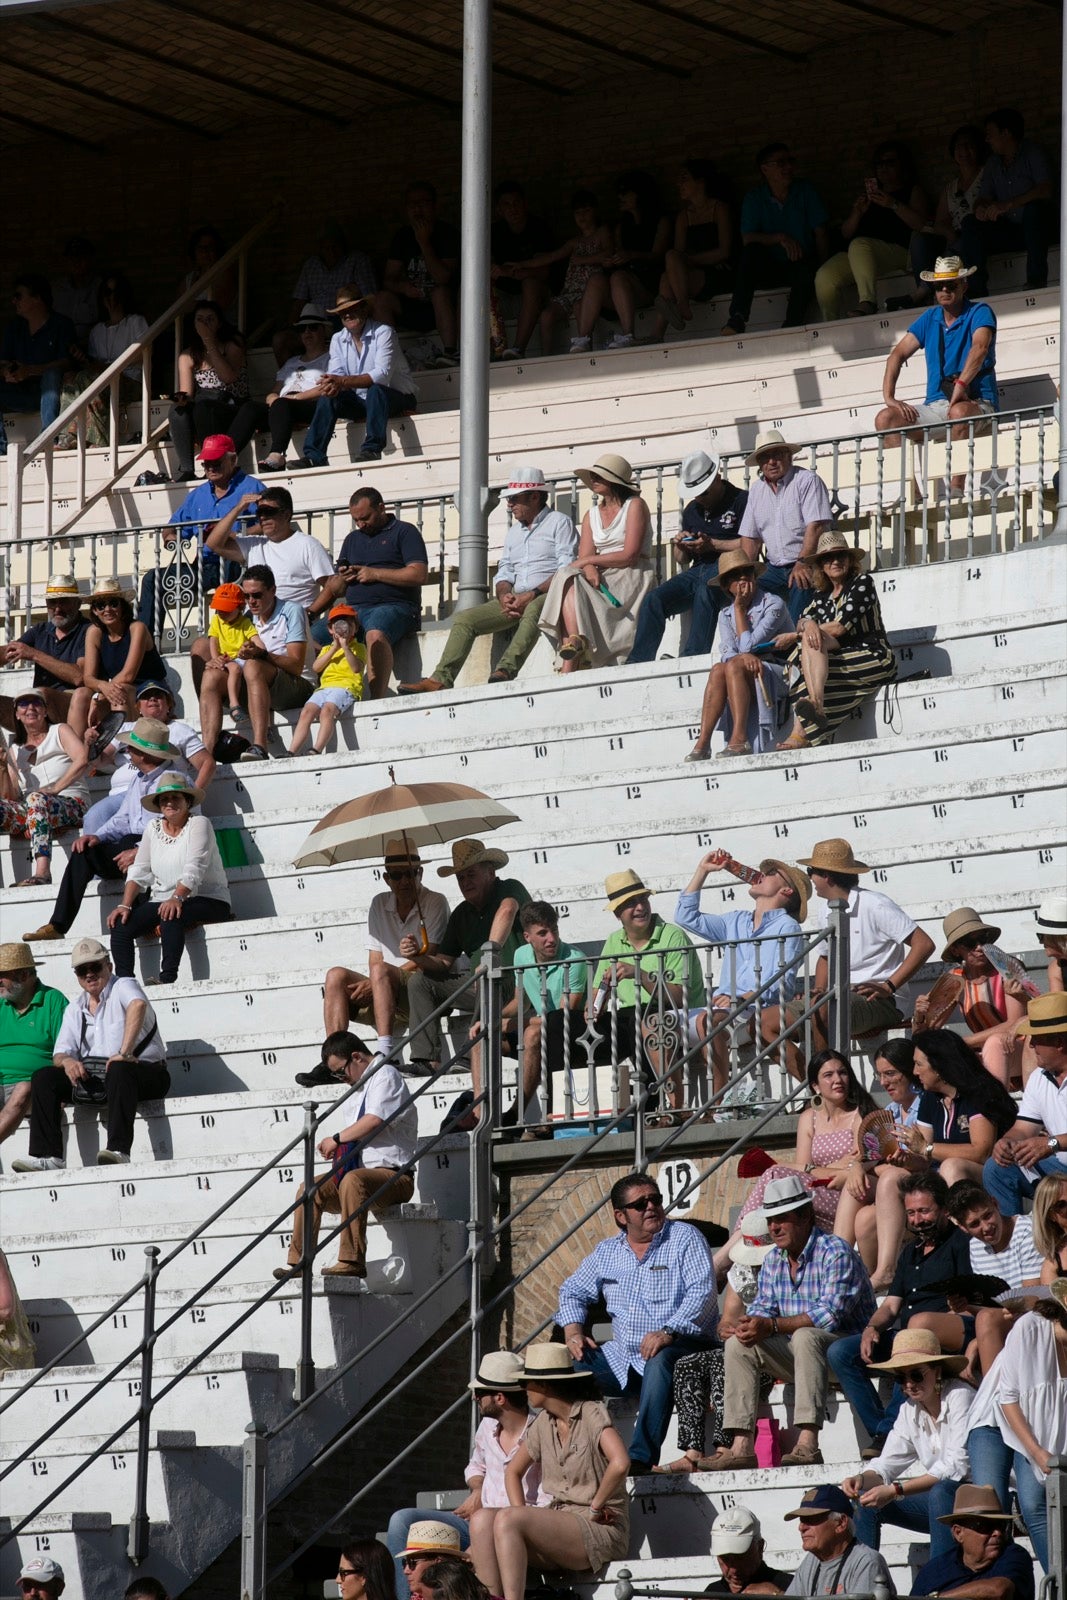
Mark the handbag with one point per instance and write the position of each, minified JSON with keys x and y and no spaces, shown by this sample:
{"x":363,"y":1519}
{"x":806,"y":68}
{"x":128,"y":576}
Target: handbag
{"x":92,"y":1089}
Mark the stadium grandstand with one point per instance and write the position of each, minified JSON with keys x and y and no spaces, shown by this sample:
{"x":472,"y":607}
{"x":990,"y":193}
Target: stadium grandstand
{"x":533,"y":843}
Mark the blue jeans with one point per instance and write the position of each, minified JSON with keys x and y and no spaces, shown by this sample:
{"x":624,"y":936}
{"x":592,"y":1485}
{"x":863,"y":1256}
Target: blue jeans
{"x":992,"y":1459}
{"x":376,"y":404}
{"x":776,"y":579}
{"x":917,"y":1511}
{"x":854,"y":1376}
{"x":694,"y":590}
{"x":1009,"y":1186}
{"x":396,"y":1536}
{"x":655,"y":1387}
{"x":37,"y":394}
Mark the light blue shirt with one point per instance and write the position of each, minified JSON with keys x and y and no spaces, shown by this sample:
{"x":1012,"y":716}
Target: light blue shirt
{"x":532,"y":556}
{"x":378,"y":354}
{"x":768,"y":616}
{"x":740,"y":964}
{"x":778,"y":516}
{"x":131,"y":817}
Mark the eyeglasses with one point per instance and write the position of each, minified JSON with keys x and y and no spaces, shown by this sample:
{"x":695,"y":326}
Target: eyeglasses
{"x":643,"y":1202}
{"x":91,"y":969}
{"x":410,"y":1562}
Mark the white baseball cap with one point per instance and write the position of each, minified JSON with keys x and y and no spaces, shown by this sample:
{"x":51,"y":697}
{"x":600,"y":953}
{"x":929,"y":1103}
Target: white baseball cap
{"x":43,"y":1570}
{"x":734,"y":1532}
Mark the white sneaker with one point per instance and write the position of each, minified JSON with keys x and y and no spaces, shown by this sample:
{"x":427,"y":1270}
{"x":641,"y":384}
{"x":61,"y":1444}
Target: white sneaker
{"x":580,"y":344}
{"x":620,"y":341}
{"x":112,"y":1158}
{"x":38,"y":1164}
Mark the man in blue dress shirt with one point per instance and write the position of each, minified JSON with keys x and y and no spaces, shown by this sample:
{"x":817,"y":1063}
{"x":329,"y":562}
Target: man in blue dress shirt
{"x":367,"y":378}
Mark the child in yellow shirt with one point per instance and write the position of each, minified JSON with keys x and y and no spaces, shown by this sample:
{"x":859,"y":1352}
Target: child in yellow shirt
{"x":340,"y":668}
{"x":229,"y":629}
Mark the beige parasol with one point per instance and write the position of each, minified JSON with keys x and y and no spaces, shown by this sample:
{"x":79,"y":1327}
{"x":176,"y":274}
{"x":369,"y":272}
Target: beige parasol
{"x":420,"y":813}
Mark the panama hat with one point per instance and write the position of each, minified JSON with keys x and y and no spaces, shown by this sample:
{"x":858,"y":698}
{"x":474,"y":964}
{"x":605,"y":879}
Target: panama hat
{"x":524,"y":477}
{"x":16,"y":957}
{"x":947,"y":269}
{"x":783,"y":1195}
{"x":958,"y":924}
{"x":1052,"y":917}
{"x":432,"y":1539}
{"x":697,"y":473}
{"x":977,"y":1502}
{"x":400,"y":854}
{"x":917,"y":1347}
{"x":149,"y":736}
{"x":610,"y":469}
{"x":769,"y":440}
{"x":549,"y":1361}
{"x":1046,"y":1015}
{"x":754,"y":1246}
{"x":173,"y":783}
{"x":349,"y":296}
{"x":832,"y":543}
{"x":61,"y":586}
{"x":622,"y":887}
{"x":499,"y":1370}
{"x":312,"y":316}
{"x":472,"y":853}
{"x":735,"y":561}
{"x":833,"y":855}
{"x":794,"y":876}
{"x":109,"y":589}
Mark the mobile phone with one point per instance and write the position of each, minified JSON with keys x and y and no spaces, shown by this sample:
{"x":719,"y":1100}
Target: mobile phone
{"x":871,"y":185}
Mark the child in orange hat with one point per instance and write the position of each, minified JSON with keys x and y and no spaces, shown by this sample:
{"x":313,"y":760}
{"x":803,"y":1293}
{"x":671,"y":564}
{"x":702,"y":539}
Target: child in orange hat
{"x":229,"y":629}
{"x":340,"y":668}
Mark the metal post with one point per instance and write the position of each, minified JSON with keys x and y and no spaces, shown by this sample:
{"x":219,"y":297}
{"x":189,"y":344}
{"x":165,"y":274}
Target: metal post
{"x":489,"y":1008}
{"x":1060,"y":525}
{"x":474,"y":307}
{"x":305,"y":1367}
{"x":254,"y":1512}
{"x":840,"y":1029}
{"x":1056,"y":1503}
{"x":137,"y":1546}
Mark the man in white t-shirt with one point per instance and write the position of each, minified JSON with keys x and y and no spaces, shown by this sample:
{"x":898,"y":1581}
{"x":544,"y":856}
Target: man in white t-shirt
{"x":108,"y":1051}
{"x":300,"y":564}
{"x":886,"y":945}
{"x":366,"y":1156}
{"x":405,"y":920}
{"x":274,"y":663}
{"x":1036,"y":1145}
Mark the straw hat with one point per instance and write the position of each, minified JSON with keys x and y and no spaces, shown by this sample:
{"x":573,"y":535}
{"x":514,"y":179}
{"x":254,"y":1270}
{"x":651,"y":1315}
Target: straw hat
{"x":1052,"y":916}
{"x":610,"y":469}
{"x":833,"y":855}
{"x":771,"y":439}
{"x":61,"y":586}
{"x":348,"y":297}
{"x":149,"y":736}
{"x":16,"y":957}
{"x":500,"y":1370}
{"x":551,"y":1362}
{"x":622,"y":887}
{"x":110,"y":589}
{"x":736,"y":561}
{"x":947,"y":269}
{"x":173,"y":783}
{"x":798,"y":879}
{"x":399,"y":854}
{"x":312,"y":316}
{"x":524,"y":478}
{"x":472,"y":853}
{"x":917,"y":1347}
{"x":977,"y":1502}
{"x":958,"y":924}
{"x":754,"y":1245}
{"x":432,"y":1539}
{"x":1045,"y":1016}
{"x":696,"y":474}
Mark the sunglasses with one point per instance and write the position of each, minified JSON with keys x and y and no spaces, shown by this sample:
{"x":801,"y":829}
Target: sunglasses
{"x":30,"y":700}
{"x":915,"y":1375}
{"x":973,"y":941}
{"x":404,"y":876}
{"x":410,"y":1562}
{"x":253,"y":594}
{"x":643,"y":1202}
{"x":91,"y":969}
{"x":816,"y":872}
{"x":106,"y":605}
{"x":269,"y":510}
{"x":351,"y":1572}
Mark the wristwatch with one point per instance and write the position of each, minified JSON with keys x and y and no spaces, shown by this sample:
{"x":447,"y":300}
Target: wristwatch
{"x":1054,"y":1142}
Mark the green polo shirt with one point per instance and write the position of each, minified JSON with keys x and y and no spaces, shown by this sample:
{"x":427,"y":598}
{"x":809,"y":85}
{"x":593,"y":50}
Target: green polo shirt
{"x":680,"y":964}
{"x":468,"y":928}
{"x":27,"y":1038}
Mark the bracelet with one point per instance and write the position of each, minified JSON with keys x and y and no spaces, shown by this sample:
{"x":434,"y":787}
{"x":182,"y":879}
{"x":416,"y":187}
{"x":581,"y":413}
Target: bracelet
{"x":774,"y":1325}
{"x":891,"y":986}
{"x":898,"y":1489}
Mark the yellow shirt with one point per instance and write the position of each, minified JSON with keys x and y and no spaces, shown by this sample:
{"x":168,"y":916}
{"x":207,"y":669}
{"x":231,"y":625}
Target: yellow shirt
{"x":339,"y":675}
{"x":231,"y":633}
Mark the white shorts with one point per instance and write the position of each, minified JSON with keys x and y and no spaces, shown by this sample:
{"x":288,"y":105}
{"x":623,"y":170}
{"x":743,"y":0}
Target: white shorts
{"x":342,"y":699}
{"x":934,"y":411}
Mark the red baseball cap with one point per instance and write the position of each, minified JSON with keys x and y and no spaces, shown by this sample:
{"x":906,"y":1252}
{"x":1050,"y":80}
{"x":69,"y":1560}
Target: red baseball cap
{"x":215,"y":446}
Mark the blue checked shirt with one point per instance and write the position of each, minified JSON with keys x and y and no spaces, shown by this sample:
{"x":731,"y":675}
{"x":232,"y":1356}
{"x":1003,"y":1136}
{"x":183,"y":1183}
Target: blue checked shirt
{"x":673,"y":1287}
{"x":831,"y":1286}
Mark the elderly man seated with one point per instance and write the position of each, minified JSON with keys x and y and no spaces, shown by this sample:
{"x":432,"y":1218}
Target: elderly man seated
{"x":55,"y":648}
{"x":788,"y":508}
{"x":658,"y":1282}
{"x":985,"y":1563}
{"x":812,"y":1289}
{"x":31,"y":1015}
{"x":538,"y":544}
{"x":738,"y":1546}
{"x":834,"y":1561}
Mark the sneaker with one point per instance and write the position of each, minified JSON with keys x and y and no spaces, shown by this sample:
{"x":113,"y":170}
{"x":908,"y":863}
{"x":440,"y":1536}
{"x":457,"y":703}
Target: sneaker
{"x":38,"y":1164}
{"x":512,"y":353}
{"x":620,"y":341}
{"x":421,"y":1069}
{"x":369,"y":453}
{"x":113,"y":1158}
{"x":301,"y":464}
{"x":255,"y":752}
{"x":580,"y":344}
{"x":447,"y":358}
{"x":318,"y":1075}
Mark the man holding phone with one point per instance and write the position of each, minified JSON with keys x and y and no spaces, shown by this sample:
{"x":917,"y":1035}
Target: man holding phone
{"x":380,"y":571}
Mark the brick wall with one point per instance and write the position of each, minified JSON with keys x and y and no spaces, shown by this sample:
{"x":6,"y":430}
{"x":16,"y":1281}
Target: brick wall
{"x":140,"y":199}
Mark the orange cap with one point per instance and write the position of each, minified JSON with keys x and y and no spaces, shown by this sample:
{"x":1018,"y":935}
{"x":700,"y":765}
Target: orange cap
{"x":341,"y":611}
{"x":227,"y":597}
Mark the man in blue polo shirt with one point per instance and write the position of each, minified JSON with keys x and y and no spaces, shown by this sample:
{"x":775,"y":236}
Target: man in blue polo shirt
{"x":984,"y":1552}
{"x":783,"y":239}
{"x":958,"y":337}
{"x":36,"y":350}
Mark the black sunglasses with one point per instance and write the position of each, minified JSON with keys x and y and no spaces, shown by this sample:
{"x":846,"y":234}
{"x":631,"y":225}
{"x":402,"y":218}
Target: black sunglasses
{"x":268,"y":510}
{"x":403,"y":876}
{"x":408,"y":1562}
{"x":351,"y":1572}
{"x":973,"y":941}
{"x":91,"y":969}
{"x":253,"y":594}
{"x":643,"y":1202}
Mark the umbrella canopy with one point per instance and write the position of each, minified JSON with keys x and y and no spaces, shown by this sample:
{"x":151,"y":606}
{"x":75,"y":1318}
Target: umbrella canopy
{"x":422,"y":813}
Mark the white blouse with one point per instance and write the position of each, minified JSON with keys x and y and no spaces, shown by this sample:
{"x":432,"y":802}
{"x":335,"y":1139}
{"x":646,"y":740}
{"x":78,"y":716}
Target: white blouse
{"x":47,"y":765}
{"x":936,"y":1444}
{"x":1030,"y":1378}
{"x":193,"y":859}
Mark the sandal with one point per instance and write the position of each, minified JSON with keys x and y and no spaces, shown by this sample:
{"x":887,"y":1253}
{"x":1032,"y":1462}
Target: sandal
{"x":811,"y":713}
{"x":33,"y":883}
{"x":796,"y":741}
{"x":573,"y":646}
{"x":683,"y":1464}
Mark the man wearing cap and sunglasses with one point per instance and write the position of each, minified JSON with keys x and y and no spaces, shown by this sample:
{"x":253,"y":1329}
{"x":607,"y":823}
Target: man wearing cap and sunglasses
{"x":108,"y":1053}
{"x":55,"y":648}
{"x":712,"y":510}
{"x":367,"y":379}
{"x":31,"y":1015}
{"x":539,"y":543}
{"x":1036,"y":1146}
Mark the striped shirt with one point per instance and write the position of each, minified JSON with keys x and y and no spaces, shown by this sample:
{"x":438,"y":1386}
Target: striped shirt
{"x":1018,"y":1263}
{"x":831,"y":1286}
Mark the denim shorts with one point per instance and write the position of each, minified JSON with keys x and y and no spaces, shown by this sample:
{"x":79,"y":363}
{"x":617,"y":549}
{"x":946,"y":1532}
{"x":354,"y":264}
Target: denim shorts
{"x":342,"y":699}
{"x":391,"y":618}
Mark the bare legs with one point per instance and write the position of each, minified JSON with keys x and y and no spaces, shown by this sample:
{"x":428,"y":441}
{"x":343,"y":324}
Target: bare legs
{"x":627,"y":294}
{"x":326,"y":716}
{"x":380,"y":662}
{"x":503,"y":1543}
{"x":344,"y":992}
{"x":728,"y":683}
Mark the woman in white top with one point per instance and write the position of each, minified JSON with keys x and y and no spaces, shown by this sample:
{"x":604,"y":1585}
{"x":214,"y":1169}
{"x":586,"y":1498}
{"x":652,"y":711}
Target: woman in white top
{"x":590,"y":610}
{"x":42,"y":782}
{"x":930,"y":1432}
{"x":871,"y":1210}
{"x":179,"y":859}
{"x":1032,"y":1408}
{"x":118,"y":328}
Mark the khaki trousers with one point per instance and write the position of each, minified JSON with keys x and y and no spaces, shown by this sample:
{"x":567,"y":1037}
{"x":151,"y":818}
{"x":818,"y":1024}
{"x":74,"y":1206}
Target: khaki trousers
{"x":381,"y":1186}
{"x":799,"y":1356}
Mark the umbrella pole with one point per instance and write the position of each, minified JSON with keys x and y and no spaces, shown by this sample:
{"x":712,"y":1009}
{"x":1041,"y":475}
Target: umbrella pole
{"x":418,"y":902}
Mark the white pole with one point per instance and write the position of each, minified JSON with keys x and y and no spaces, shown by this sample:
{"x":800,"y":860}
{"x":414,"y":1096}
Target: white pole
{"x":474,"y":306}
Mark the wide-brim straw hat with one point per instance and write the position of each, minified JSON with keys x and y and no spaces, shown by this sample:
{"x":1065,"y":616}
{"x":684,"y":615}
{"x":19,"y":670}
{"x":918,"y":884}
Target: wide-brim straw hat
{"x":431,"y":1538}
{"x":173,"y":785}
{"x":697,"y":473}
{"x":771,"y":439}
{"x":16,"y":956}
{"x":110,"y":589}
{"x":977,"y":1502}
{"x":348,"y":297}
{"x":498,"y":1371}
{"x":958,"y":924}
{"x":61,"y":586}
{"x":1045,"y":1016}
{"x":610,"y":469}
{"x":472,"y":853}
{"x":149,"y":736}
{"x":798,"y":879}
{"x":947,"y":269}
{"x":917,"y":1347}
{"x":833,"y":855}
{"x":832,"y":543}
{"x":622,"y":887}
{"x":551,"y":1362}
{"x":735,"y":561}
